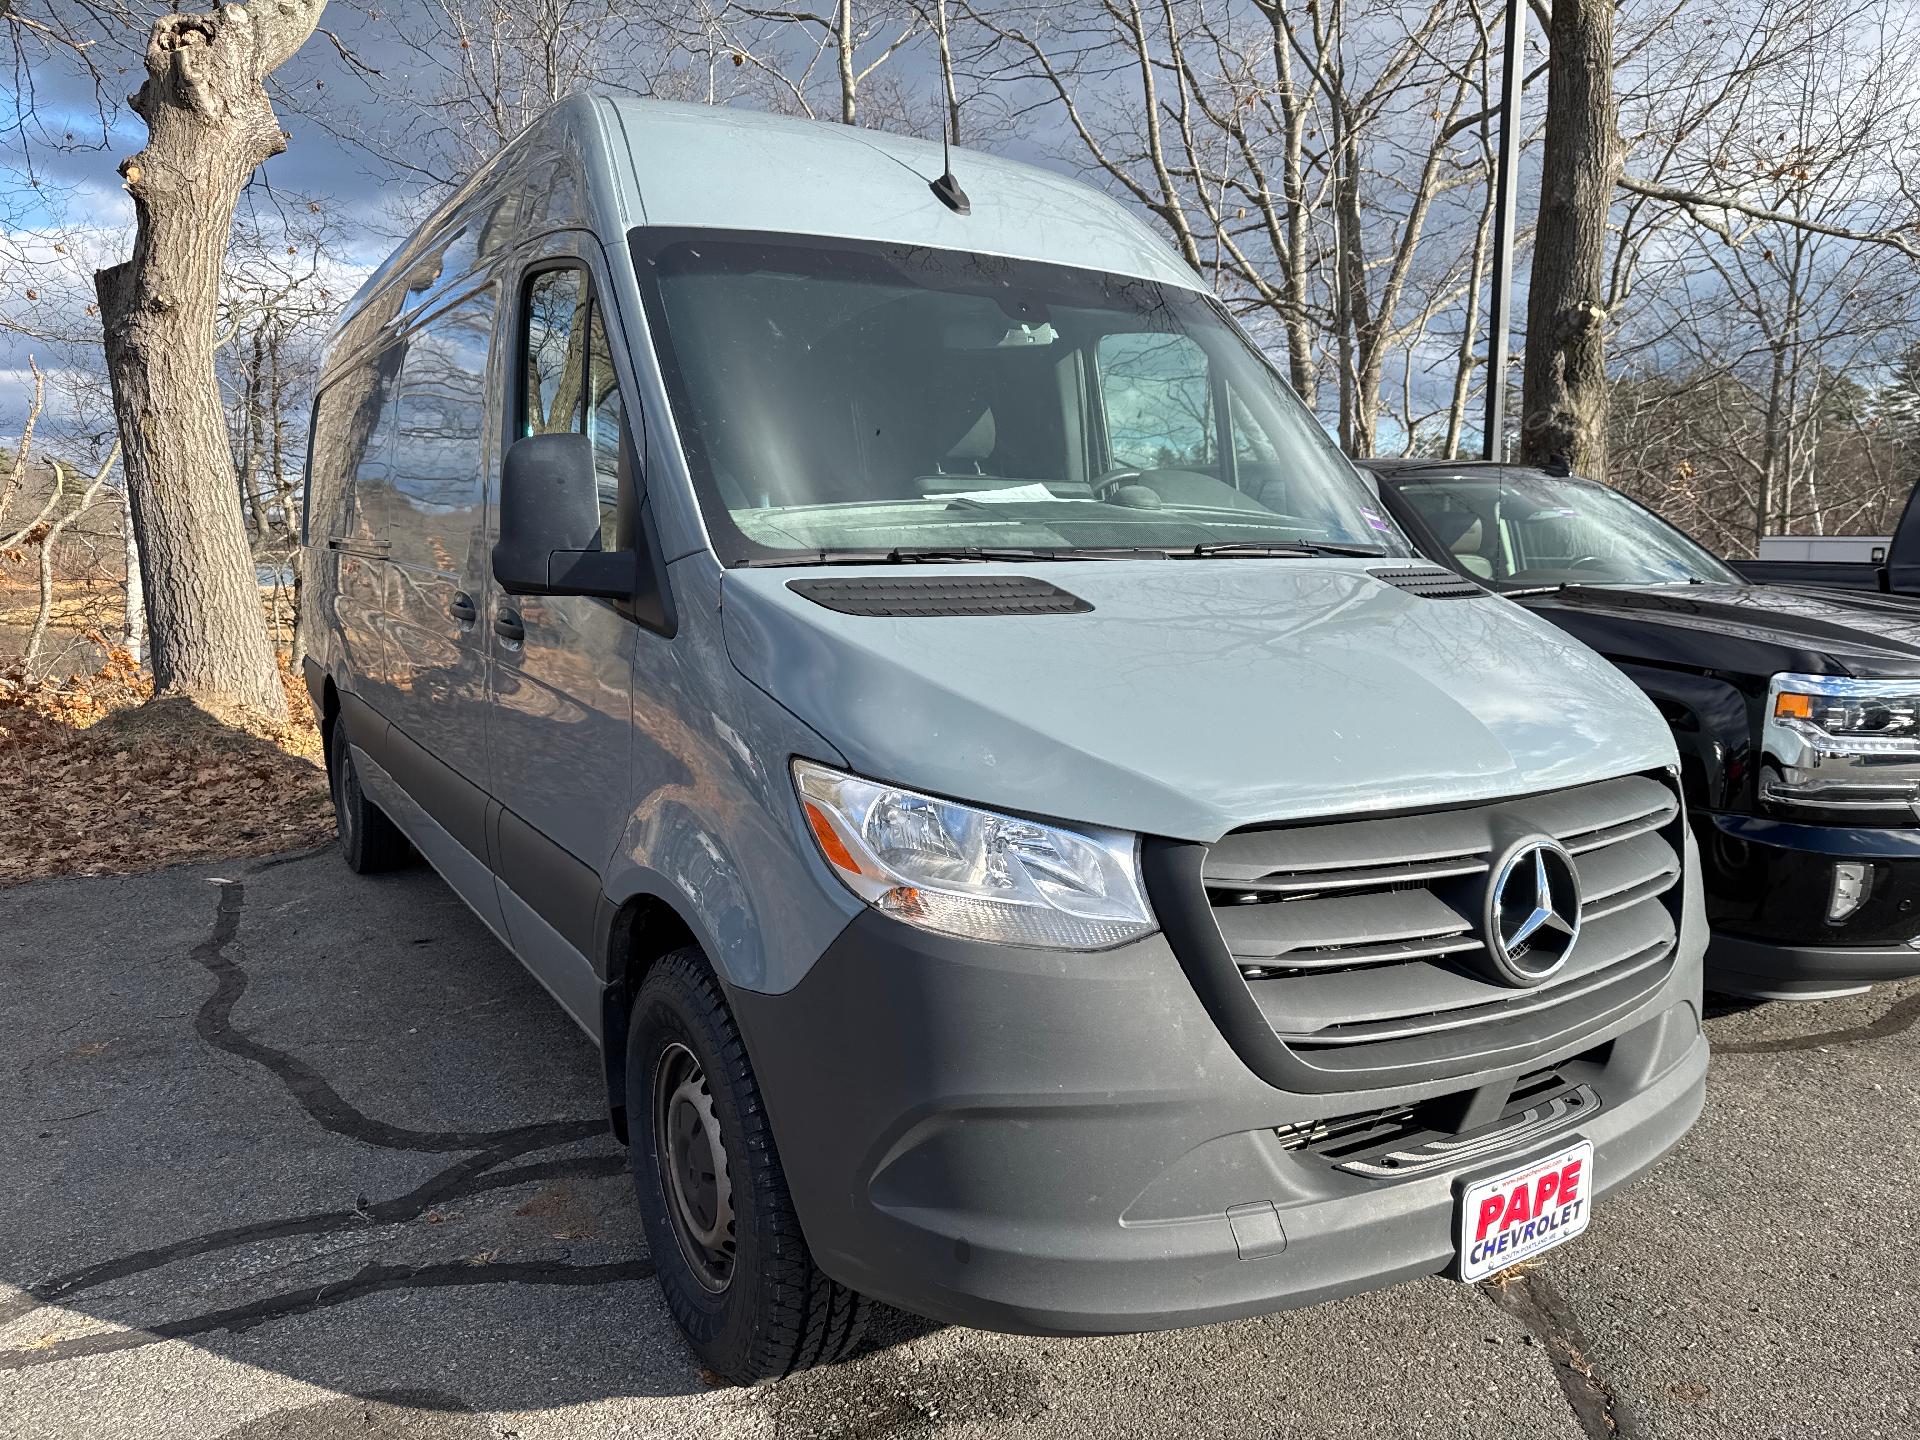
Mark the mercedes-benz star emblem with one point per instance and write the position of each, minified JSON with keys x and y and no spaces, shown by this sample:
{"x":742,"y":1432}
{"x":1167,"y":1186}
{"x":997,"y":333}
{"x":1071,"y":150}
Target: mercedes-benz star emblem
{"x":1532,"y":911}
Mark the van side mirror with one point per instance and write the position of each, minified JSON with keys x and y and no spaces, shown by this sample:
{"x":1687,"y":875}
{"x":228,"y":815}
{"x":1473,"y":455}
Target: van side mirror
{"x":550,"y":524}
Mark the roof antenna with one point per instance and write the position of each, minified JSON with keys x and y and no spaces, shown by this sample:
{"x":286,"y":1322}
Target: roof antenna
{"x":947,"y":189}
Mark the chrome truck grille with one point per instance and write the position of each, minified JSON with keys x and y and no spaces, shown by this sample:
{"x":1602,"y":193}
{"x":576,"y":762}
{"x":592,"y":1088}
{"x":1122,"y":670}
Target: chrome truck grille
{"x":1349,"y":954}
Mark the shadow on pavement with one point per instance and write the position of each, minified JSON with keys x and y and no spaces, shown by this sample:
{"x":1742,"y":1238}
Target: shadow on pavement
{"x":256,"y":1098}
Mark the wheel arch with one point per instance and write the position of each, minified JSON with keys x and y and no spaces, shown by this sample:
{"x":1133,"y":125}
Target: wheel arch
{"x":639,"y":931}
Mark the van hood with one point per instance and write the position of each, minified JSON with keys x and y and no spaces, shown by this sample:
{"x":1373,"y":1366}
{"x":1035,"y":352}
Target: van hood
{"x":1749,"y":631}
{"x":1195,"y":696}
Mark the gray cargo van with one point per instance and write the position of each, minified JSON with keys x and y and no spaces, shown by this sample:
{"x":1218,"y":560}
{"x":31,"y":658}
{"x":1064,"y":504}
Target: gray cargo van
{"x":1031,"y":841}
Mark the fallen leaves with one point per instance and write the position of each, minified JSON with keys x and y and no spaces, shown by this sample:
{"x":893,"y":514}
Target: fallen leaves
{"x":98,"y":778}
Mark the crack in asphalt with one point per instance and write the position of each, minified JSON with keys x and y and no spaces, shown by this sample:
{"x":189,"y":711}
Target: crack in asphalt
{"x":475,"y":1174}
{"x":310,"y":1090}
{"x":369,"y":1280}
{"x":458,"y":1182}
{"x":291,"y":857}
{"x":1899,"y":1016}
{"x":1531,"y":1298}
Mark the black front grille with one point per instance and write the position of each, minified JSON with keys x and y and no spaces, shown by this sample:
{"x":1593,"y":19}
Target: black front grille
{"x":1402,"y":1141}
{"x":1344,"y":953}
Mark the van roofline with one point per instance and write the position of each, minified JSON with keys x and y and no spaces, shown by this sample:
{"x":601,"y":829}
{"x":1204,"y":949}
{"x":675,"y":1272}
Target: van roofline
{"x":645,"y":163}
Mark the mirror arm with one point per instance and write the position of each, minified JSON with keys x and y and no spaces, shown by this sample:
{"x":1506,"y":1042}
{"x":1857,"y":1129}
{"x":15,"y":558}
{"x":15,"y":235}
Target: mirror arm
{"x":603,"y":574}
{"x":607,"y":574}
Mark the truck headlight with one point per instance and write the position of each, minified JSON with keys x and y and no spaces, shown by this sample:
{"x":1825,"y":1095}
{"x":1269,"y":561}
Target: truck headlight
{"x":1835,"y":743}
{"x":974,"y":873}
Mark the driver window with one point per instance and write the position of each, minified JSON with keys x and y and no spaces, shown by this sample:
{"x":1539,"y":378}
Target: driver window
{"x":1158,"y":401}
{"x":569,"y":384}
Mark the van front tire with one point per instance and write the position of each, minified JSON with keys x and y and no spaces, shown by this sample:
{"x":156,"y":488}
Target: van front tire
{"x":726,"y":1244}
{"x":370,"y":841}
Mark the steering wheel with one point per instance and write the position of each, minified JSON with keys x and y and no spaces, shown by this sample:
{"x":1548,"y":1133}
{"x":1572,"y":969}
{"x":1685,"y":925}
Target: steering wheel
{"x":1588,"y":562}
{"x":1104,"y":485}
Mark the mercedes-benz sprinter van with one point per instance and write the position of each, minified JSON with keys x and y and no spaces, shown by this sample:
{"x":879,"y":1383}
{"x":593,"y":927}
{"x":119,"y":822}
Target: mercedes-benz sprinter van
{"x":1033,"y":843}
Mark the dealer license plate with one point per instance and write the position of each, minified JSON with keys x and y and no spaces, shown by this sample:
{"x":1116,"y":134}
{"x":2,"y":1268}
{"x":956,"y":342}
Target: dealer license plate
{"x":1522,"y":1212}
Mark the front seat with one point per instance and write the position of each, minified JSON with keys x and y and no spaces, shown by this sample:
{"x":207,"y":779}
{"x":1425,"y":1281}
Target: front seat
{"x":1461,"y":532}
{"x":968,"y":454}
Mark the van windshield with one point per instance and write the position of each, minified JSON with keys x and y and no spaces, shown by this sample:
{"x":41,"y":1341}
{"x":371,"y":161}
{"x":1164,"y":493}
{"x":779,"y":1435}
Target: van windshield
{"x":1520,"y":529}
{"x":847,"y":397}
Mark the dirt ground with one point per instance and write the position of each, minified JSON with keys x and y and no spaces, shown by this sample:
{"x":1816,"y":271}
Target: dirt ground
{"x":97,"y":778}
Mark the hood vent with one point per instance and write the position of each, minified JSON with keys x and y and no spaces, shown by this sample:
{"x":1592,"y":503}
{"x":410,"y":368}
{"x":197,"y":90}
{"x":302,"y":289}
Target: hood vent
{"x":959,"y":595}
{"x":1429,"y":582}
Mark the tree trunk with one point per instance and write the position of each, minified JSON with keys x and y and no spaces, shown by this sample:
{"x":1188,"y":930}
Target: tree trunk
{"x":209,"y":125}
{"x":843,"y":43}
{"x":135,"y":629}
{"x":256,"y":439}
{"x":1350,"y":306}
{"x":1564,"y":399}
{"x":1463,"y":365}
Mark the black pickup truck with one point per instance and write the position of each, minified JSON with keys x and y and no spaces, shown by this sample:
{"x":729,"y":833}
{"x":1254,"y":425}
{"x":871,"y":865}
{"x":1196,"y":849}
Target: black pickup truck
{"x":1796,"y":711}
{"x":1897,"y":574}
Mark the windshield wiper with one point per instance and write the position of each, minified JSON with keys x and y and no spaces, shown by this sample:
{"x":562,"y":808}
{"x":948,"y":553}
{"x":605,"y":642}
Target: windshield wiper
{"x":1260,"y":549}
{"x":1013,"y":553}
{"x":901,"y":555}
{"x":821,"y":556}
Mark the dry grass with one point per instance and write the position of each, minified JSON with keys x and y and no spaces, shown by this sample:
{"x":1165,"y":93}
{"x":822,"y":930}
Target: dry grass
{"x":99,"y":778}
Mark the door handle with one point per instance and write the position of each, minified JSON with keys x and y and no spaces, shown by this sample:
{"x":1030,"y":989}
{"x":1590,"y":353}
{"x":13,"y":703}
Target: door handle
{"x":506,"y":624}
{"x":461,"y":608}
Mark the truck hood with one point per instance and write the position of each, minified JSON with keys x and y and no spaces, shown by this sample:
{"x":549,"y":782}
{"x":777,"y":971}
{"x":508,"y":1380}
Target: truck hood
{"x":1195,"y":695}
{"x":1752,"y":631}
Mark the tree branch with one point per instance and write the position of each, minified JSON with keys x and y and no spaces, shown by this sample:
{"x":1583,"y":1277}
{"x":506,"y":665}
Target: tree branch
{"x":1694,"y":202}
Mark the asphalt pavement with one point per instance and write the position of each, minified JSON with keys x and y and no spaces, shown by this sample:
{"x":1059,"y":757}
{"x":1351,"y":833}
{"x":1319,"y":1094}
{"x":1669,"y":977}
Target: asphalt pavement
{"x":286,"y":1154}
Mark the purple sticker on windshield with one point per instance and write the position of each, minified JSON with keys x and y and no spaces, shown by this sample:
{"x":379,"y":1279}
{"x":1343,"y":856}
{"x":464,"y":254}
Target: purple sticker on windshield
{"x":1374,"y":519}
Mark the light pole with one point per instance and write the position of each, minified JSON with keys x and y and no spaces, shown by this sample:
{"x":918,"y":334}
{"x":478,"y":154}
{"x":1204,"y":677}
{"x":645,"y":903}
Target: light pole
{"x":1505,"y":175}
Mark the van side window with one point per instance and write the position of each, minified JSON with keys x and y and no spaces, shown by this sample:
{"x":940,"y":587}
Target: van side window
{"x":353,"y":426}
{"x":329,"y":499}
{"x":1158,"y":400}
{"x":569,"y":384}
{"x":437,"y":451}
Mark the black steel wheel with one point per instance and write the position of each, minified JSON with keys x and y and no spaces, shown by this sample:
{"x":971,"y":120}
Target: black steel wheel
{"x":369,"y":840}
{"x":726,"y":1243}
{"x":693,"y":1167}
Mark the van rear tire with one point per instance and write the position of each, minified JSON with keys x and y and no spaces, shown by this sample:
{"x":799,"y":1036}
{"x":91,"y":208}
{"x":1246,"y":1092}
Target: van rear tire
{"x":370,"y":841}
{"x":726,"y":1243}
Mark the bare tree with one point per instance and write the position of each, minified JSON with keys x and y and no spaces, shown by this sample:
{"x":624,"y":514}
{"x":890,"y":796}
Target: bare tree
{"x":1564,"y":386}
{"x":1763,"y":125}
{"x":823,"y":60}
{"x":477,"y":72}
{"x":1321,"y":164}
{"x":209,"y":125}
{"x":43,"y":530}
{"x":1751,"y":344}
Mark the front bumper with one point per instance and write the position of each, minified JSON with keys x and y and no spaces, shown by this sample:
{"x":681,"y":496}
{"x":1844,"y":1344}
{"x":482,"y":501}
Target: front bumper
{"x":1064,"y":1143}
{"x":1768,"y":883}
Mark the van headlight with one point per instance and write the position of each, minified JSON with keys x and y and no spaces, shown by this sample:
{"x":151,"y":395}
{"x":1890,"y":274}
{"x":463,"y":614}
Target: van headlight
{"x":974,"y":873}
{"x":1835,"y":743}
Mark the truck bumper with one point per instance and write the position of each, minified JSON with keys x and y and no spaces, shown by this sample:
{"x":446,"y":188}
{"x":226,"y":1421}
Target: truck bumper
{"x":1768,"y":886}
{"x":1757,"y":970}
{"x":1057,"y":1143}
